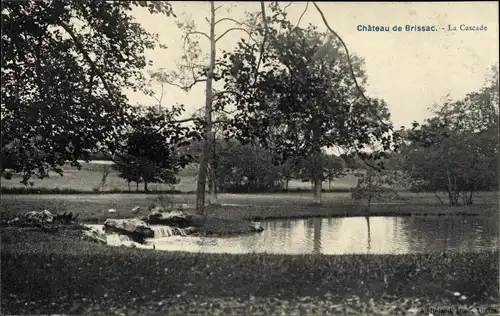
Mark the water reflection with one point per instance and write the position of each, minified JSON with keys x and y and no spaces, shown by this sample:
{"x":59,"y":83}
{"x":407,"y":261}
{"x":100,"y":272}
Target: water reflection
{"x":375,"y":235}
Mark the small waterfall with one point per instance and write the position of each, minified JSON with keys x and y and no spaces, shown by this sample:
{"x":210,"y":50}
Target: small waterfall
{"x":167,"y":231}
{"x":118,"y":240}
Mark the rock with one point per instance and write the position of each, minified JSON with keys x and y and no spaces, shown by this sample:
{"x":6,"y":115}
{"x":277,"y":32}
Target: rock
{"x":136,"y":209}
{"x":41,"y":217}
{"x":256,"y":227}
{"x":183,"y":206}
{"x":174,"y":219}
{"x":13,"y":221}
{"x":135,"y":228}
{"x":111,"y":210}
{"x":189,"y":230}
{"x":65,"y":218}
{"x":95,"y":235}
{"x":156,"y":209}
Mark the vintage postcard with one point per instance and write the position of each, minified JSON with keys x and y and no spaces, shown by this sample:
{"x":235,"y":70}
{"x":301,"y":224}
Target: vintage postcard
{"x":249,"y":158}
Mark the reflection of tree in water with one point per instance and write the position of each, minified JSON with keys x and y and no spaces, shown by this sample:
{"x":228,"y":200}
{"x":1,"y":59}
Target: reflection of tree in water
{"x":443,"y":233}
{"x":315,"y":227}
{"x":286,"y":224}
{"x":369,"y":240}
{"x":317,"y":235}
{"x":271,"y":225}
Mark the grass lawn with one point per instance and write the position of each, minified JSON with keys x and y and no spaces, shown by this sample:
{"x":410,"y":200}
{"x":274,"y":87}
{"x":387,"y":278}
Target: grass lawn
{"x":93,"y":207}
{"x":90,"y":175}
{"x":45,"y":273}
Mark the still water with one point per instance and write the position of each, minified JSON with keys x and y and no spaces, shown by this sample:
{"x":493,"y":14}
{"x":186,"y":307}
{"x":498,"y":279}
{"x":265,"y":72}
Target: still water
{"x":355,"y":235}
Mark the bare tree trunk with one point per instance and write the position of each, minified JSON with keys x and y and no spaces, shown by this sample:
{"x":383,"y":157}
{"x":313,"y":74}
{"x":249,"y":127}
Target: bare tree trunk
{"x":369,"y":233}
{"x":128,"y":183}
{"x":435,"y":193}
{"x":137,"y":186}
{"x":450,"y":195}
{"x":317,"y":235}
{"x":202,"y":173}
{"x":145,"y":186}
{"x":318,"y":165}
{"x":212,"y":199}
{"x":317,"y":190}
{"x":370,"y":192}
{"x":456,"y":192}
{"x":469,"y":200}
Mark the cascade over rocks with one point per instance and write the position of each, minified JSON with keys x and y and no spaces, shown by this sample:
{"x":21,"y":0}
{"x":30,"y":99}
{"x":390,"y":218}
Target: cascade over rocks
{"x":136,"y":229}
{"x":131,"y":232}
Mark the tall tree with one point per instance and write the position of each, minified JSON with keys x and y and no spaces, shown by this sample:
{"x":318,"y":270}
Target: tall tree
{"x":65,"y":65}
{"x":151,"y":151}
{"x":204,"y":73}
{"x":304,"y":87}
{"x":457,"y":149}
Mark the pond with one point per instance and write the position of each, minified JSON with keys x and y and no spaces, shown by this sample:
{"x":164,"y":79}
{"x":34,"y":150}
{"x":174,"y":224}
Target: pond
{"x":353,"y":235}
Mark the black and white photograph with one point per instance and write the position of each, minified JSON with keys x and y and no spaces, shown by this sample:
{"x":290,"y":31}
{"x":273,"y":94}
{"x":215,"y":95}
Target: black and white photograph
{"x":249,"y":158}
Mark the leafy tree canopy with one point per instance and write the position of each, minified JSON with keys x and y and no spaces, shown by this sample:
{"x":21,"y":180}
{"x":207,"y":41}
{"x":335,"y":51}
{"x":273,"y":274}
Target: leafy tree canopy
{"x":302,"y":90}
{"x":65,"y":66}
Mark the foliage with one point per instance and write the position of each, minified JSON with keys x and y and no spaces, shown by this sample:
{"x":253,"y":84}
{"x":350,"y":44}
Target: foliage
{"x":150,"y":153}
{"x":287,"y":170}
{"x":106,"y":170}
{"x":164,"y":201}
{"x":457,"y":149}
{"x":303,"y":98}
{"x":304,"y":85}
{"x":245,"y":168}
{"x":65,"y":65}
{"x":195,"y":69}
{"x":333,"y":167}
{"x":380,"y":185}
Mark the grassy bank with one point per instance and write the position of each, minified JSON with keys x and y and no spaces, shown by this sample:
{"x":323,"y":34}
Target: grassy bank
{"x":93,"y":208}
{"x":48,"y":273}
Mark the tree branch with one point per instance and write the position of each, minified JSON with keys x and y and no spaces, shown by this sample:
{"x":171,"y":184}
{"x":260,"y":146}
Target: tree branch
{"x":286,"y":7}
{"x":185,"y":120}
{"x":216,"y":94}
{"x":232,"y":20}
{"x":227,"y":112}
{"x":219,"y":122}
{"x":197,"y":33}
{"x":376,"y":168}
{"x":350,"y":65}
{"x":161,"y":97}
{"x":304,"y":12}
{"x":188,"y":87}
{"x":261,"y":54}
{"x":163,"y":78}
{"x":87,"y":58}
{"x":234,"y":29}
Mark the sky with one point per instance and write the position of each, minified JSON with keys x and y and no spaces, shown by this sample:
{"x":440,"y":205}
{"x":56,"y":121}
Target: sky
{"x":411,"y":71}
